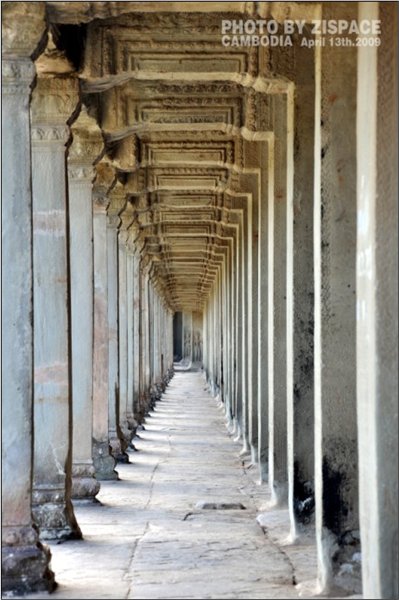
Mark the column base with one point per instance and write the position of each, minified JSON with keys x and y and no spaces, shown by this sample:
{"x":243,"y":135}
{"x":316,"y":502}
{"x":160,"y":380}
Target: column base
{"x":263,"y":470}
{"x":84,"y":484}
{"x":339,"y":562}
{"x":131,"y":423}
{"x":245,"y":450}
{"x":104,"y":463}
{"x":126,"y":433}
{"x":279,"y":494}
{"x":118,"y":447}
{"x":254,"y":454}
{"x":25,"y":562}
{"x":54,"y":515}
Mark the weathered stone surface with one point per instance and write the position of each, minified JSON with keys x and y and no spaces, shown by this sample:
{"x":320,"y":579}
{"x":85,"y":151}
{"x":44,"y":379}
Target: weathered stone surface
{"x":84,"y":484}
{"x":25,"y":562}
{"x":206,"y":505}
{"x":103,"y":461}
{"x":54,"y":102}
{"x":55,"y":519}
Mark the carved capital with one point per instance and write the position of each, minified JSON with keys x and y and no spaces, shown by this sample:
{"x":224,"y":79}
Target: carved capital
{"x":113,"y":221}
{"x":127,"y":217}
{"x":100,"y":201}
{"x":17,"y":77}
{"x":122,"y":236}
{"x":145,"y":265}
{"x":50,"y":133}
{"x":23,"y":27}
{"x":105,"y":179}
{"x":118,"y":200}
{"x":81,"y":173}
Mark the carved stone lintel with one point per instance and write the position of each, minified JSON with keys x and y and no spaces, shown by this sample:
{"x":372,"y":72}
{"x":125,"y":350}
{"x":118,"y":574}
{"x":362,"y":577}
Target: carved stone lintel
{"x":84,"y":484}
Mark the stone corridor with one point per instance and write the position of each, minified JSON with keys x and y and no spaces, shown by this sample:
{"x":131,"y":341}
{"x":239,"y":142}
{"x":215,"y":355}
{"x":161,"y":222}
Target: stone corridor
{"x":152,"y":536}
{"x":183,"y":208}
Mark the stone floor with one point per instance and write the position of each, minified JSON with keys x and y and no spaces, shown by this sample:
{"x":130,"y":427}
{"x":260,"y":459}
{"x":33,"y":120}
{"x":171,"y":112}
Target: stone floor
{"x":150,"y":538}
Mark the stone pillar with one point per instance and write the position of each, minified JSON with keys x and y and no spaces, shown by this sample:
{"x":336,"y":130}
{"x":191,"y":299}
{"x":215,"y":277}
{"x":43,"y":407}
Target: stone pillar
{"x":85,"y":148}
{"x":116,"y":440}
{"x":136,"y":333}
{"x":25,"y":562}
{"x":267,"y":187}
{"x":188,"y":336}
{"x":251,"y":185}
{"x":144,"y":338}
{"x":239,"y":380}
{"x":52,"y":458}
{"x":104,"y":462}
{"x":245,"y":334}
{"x":230,"y":330}
{"x":377,"y":304}
{"x":277,"y":322}
{"x":130,"y":339}
{"x":300,"y":298}
{"x":336,"y":464}
{"x":148,"y":331}
{"x":122,"y":314}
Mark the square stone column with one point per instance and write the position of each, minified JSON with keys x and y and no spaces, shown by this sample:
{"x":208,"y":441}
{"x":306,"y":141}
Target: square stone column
{"x":241,"y":388}
{"x":122,"y":318}
{"x":277,"y":299}
{"x":336,"y":459}
{"x":103,"y":460}
{"x":116,"y":439}
{"x":144,"y":339}
{"x":267,"y":195}
{"x":136,"y":333}
{"x":85,"y":148}
{"x":52,"y":461}
{"x":131,"y":346}
{"x":377,"y":303}
{"x":25,"y":562}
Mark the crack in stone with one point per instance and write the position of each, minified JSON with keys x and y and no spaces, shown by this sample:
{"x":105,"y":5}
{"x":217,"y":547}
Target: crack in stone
{"x":282,"y":553}
{"x":129,"y":575}
{"x":160,"y":462}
